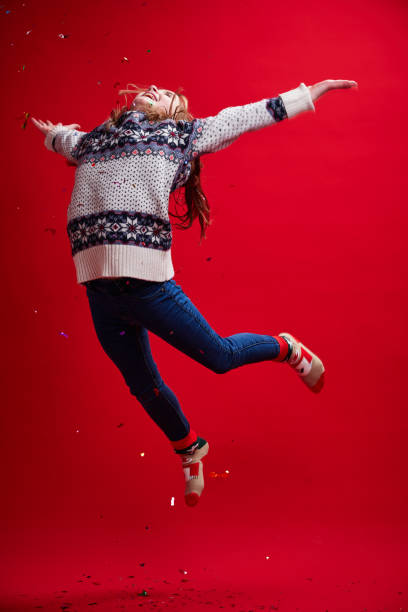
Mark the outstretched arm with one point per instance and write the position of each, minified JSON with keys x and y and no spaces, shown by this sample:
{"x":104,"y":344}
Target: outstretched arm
{"x":215,"y":133}
{"x":63,"y":139}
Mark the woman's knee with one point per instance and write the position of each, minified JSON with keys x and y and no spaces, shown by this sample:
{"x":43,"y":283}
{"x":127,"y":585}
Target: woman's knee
{"x":147,"y":395}
{"x":222,"y":362}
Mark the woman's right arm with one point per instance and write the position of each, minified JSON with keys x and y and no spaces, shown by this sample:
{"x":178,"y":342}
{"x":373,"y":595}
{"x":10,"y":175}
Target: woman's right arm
{"x":63,"y":139}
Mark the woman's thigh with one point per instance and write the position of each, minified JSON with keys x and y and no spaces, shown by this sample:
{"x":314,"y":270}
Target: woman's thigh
{"x":170,"y":314}
{"x":126,"y":343}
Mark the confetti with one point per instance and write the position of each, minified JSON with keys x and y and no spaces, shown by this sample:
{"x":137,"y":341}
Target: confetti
{"x":64,"y":334}
{"x":217,"y":475}
{"x":142,"y":454}
{"x":172,"y":501}
{"x":28,"y":32}
{"x":63,"y":35}
{"x":26,"y":116}
{"x":124,"y":59}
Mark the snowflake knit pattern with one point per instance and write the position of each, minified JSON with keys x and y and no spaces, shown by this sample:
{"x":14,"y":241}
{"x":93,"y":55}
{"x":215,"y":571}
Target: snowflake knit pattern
{"x":117,"y":220}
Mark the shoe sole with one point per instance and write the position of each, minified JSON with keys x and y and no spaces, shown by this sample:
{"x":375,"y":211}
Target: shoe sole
{"x":315,"y":379}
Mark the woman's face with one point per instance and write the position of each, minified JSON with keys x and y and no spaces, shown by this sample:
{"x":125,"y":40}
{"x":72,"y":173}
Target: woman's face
{"x":155,"y":98}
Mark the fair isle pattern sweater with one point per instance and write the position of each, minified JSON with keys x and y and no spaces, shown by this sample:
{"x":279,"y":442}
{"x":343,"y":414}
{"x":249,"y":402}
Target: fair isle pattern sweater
{"x":117,"y":221}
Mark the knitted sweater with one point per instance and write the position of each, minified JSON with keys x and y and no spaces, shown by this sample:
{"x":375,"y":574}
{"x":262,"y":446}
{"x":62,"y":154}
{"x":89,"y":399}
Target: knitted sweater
{"x":117,"y":221}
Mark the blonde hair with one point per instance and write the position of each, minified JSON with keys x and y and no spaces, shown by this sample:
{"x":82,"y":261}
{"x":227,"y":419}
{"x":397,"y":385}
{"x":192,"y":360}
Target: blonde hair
{"x":195,"y":199}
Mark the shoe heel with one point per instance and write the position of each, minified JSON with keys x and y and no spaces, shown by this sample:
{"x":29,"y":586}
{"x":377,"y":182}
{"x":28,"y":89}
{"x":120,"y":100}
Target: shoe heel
{"x":314,"y":380}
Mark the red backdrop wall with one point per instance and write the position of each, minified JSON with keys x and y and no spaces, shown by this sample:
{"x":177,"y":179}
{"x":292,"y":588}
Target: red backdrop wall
{"x":309,"y":236}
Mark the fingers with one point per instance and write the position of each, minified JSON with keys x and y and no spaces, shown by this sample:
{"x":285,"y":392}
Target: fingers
{"x":341,"y":84}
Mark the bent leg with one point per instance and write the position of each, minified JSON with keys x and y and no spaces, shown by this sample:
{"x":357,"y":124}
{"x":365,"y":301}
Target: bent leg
{"x":128,"y":346}
{"x":172,"y":316}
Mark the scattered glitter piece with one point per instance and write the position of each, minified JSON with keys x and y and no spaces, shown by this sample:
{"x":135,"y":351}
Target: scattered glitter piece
{"x":148,"y":50}
{"x":26,"y":116}
{"x":64,"y":334}
{"x":172,"y":501}
{"x":63,"y":35}
{"x":183,"y":571}
{"x":217,"y":475}
{"x":122,"y":333}
{"x":124,"y":59}
{"x":143,"y":594}
{"x":120,"y":425}
{"x":28,"y":32}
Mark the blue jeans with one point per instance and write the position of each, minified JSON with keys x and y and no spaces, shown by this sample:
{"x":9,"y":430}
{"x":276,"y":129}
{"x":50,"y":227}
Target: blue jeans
{"x":124,"y":309}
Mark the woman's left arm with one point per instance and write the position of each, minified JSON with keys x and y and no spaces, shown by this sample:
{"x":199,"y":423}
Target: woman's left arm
{"x":211,"y":134}
{"x":63,"y":139}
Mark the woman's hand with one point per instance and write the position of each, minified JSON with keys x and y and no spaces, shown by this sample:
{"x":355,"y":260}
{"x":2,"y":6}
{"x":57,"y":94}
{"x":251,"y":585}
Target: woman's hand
{"x":47,"y":127}
{"x":321,"y":88}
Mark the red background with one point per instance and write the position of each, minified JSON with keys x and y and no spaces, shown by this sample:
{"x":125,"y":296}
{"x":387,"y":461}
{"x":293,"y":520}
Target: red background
{"x":308,"y":237}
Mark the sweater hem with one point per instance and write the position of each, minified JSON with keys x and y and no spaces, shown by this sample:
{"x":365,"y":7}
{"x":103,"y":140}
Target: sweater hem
{"x":117,"y":260}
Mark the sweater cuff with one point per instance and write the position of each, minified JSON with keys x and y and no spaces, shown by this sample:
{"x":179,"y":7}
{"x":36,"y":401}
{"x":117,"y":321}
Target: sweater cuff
{"x":50,"y":137}
{"x":297,"y":100}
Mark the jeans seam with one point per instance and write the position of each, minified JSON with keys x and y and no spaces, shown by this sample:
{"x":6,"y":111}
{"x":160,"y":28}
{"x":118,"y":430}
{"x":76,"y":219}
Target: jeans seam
{"x":195,"y":318}
{"x":156,"y":383}
{"x":236,"y":352}
{"x":152,"y":374}
{"x":219,"y":342}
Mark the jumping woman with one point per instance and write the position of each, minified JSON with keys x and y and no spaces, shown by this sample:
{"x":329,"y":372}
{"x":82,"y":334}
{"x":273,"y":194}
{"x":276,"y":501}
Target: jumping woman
{"x":120,"y":235}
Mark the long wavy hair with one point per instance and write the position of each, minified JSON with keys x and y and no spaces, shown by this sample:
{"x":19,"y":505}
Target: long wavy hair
{"x":194,"y":197}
